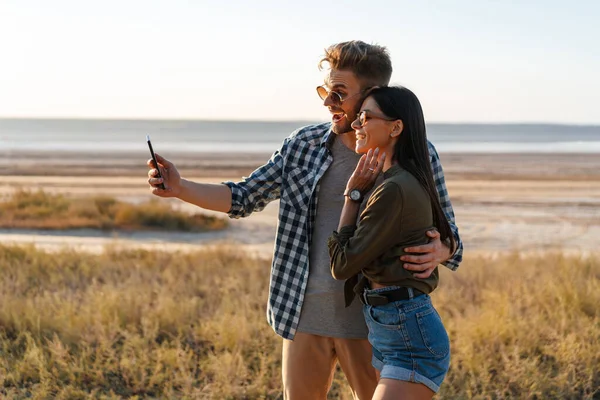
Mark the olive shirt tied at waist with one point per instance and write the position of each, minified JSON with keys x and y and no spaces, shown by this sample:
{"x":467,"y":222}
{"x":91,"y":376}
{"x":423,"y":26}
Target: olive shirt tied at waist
{"x":397,"y":215}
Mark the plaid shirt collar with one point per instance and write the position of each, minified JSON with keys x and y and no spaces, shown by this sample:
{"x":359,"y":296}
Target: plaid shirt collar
{"x":323,"y":140}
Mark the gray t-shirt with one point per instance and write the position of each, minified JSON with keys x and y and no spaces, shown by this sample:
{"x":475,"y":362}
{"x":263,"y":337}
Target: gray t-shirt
{"x":323,"y":310}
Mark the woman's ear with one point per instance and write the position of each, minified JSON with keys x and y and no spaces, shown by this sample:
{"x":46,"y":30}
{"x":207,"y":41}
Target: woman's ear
{"x":397,"y":128}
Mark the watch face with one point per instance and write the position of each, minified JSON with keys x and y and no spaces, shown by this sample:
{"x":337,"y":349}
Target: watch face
{"x":355,"y":195}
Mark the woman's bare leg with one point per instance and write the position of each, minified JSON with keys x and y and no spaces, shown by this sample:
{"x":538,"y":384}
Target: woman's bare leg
{"x":392,"y":389}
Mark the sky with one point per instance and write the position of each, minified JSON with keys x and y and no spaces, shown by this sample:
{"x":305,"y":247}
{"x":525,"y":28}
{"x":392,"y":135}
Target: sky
{"x":467,"y":61}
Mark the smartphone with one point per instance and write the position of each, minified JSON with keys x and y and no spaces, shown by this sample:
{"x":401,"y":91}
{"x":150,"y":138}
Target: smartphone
{"x":162,"y":185}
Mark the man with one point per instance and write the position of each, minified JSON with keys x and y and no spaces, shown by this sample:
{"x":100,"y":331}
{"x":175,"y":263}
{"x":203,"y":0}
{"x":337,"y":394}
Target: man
{"x":308,"y":174}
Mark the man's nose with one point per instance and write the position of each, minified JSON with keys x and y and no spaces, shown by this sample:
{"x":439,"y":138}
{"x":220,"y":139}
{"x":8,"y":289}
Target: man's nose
{"x":328,"y":102}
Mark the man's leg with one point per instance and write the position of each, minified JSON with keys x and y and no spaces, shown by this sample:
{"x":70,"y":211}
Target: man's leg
{"x":307,"y":368}
{"x":354,"y":356}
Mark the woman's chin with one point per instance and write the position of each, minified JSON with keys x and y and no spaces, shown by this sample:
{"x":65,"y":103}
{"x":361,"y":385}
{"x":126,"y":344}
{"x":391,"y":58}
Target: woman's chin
{"x":361,"y":148}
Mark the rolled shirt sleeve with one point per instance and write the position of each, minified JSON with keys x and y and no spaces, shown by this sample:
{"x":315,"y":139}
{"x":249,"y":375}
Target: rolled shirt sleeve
{"x":263,"y":185}
{"x":440,"y":184}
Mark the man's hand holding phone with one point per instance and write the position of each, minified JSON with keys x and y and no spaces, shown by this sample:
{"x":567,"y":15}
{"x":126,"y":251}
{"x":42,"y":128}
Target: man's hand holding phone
{"x":164,"y":177}
{"x":211,"y":196}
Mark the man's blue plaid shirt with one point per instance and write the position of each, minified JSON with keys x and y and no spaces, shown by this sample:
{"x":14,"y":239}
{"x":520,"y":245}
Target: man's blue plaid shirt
{"x":292,"y":175}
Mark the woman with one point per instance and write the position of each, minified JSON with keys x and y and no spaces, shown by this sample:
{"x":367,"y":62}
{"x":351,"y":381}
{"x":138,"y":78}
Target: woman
{"x":410,"y":344}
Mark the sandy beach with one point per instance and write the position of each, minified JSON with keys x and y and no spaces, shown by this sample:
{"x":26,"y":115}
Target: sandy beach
{"x":503,"y":202}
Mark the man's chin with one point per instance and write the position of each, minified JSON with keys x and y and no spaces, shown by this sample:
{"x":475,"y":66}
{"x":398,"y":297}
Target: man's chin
{"x":340,"y":129}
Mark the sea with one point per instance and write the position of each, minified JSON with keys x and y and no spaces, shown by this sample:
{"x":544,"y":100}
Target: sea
{"x":106,"y":135}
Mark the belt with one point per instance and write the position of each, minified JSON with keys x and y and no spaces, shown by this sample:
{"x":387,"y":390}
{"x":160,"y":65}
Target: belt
{"x":382,"y":298}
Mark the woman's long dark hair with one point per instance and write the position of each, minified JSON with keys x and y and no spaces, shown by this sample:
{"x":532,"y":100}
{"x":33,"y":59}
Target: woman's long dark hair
{"x":411,"y":151}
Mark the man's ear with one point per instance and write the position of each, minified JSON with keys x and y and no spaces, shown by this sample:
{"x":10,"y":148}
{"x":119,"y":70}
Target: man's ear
{"x":397,"y":128}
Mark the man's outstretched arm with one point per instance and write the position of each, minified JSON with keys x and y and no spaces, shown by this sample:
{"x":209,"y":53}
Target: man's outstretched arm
{"x":238,"y":199}
{"x":216,"y":197}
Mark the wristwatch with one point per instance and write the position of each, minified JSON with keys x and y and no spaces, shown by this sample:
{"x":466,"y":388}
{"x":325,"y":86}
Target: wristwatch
{"x":354,"y":195}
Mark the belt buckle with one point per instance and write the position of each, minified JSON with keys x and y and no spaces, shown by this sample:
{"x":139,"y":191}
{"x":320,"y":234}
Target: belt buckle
{"x":363,"y":297}
{"x":375,"y":299}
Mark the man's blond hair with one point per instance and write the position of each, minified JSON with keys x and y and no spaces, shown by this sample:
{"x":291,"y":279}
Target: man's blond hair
{"x":370,"y":63}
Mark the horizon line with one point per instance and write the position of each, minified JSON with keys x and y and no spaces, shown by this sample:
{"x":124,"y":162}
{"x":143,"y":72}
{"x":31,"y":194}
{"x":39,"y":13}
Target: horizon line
{"x":301,"y":120}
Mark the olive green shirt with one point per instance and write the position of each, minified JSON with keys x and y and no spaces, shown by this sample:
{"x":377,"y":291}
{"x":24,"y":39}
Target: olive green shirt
{"x":397,"y":215}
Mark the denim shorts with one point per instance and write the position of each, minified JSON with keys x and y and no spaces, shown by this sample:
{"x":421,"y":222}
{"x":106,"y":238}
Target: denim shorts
{"x":409,"y":340}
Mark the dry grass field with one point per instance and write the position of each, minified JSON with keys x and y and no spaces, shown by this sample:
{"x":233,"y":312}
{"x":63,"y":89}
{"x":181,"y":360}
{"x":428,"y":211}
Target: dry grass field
{"x":42,"y":210}
{"x":136,"y":324}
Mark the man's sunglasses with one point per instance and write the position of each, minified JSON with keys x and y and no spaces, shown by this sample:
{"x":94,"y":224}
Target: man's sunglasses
{"x":336,"y":97}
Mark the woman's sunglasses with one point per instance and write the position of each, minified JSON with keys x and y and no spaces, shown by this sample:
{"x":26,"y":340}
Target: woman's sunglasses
{"x":365,"y":115}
